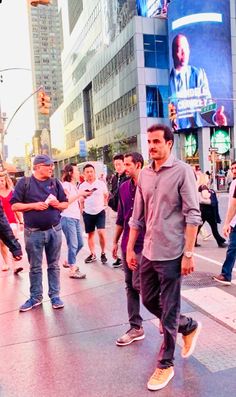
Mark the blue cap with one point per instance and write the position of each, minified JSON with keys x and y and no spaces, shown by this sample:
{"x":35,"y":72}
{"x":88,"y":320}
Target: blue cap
{"x":42,"y":159}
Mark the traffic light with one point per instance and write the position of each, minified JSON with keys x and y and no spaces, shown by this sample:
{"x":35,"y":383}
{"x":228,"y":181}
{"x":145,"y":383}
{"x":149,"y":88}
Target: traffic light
{"x":43,"y":103}
{"x":172,"y":111}
{"x":35,"y":3}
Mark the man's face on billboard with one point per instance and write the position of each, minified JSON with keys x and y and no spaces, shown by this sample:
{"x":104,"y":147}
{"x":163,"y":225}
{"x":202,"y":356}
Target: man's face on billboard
{"x":180,"y":52}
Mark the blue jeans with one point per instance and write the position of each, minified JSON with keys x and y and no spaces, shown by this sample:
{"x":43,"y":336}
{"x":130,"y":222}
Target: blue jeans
{"x":72,"y":231}
{"x":35,"y":243}
{"x":228,"y":264}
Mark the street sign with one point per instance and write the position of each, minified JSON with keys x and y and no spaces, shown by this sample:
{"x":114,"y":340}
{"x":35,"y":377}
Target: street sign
{"x":82,"y":148}
{"x":208,"y":108}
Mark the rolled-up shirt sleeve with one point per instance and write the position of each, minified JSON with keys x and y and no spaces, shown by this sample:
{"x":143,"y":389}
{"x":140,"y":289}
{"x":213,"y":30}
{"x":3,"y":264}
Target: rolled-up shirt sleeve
{"x":137,"y":219}
{"x":190,"y":200}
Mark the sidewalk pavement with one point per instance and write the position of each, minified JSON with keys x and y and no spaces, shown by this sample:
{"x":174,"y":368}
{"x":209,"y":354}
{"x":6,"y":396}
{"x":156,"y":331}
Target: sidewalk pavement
{"x":72,"y":352}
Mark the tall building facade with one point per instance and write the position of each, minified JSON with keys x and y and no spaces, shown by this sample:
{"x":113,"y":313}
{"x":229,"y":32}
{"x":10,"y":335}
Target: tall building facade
{"x":107,"y":76}
{"x":116,"y":64}
{"x":46,"y":45}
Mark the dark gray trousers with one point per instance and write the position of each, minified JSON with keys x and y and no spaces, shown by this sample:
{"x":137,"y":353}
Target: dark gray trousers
{"x":132,"y":282}
{"x":160,"y":283}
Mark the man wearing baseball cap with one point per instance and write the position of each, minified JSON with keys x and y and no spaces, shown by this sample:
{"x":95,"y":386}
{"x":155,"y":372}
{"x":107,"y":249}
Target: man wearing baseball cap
{"x":41,"y":198}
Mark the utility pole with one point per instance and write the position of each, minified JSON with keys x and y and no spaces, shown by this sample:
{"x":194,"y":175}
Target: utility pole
{"x":3,"y":119}
{"x":3,"y":129}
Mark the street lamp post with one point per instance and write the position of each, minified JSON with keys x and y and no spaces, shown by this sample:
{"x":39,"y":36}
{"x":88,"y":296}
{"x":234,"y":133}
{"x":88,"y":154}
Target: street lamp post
{"x":213,"y":151}
{"x":3,"y":119}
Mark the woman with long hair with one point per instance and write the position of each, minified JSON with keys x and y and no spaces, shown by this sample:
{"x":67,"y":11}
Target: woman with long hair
{"x":70,"y":218}
{"x":209,"y":209}
{"x":14,"y":218}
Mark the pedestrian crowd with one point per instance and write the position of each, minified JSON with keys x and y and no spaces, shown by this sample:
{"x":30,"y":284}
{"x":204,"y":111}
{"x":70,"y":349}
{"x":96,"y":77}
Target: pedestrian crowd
{"x":159,"y":210}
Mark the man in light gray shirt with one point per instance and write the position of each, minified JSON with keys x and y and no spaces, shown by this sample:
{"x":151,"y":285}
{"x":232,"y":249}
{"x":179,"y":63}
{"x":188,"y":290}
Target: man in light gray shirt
{"x":167,"y":203}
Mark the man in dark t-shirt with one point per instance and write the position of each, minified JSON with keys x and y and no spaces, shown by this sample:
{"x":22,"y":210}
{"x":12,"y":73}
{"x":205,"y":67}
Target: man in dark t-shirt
{"x":117,"y":179}
{"x":41,"y":198}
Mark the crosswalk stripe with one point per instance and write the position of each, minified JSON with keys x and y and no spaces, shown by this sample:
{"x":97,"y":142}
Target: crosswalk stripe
{"x":216,"y":302}
{"x":210,"y":260}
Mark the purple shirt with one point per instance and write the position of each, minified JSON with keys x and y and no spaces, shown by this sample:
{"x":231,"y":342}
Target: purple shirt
{"x":125,"y":208}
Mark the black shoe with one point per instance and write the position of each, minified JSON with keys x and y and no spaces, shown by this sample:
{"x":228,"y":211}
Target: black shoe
{"x":197,"y":245}
{"x":117,"y":263}
{"x":90,"y":258}
{"x":223,"y":245}
{"x":103,"y":257}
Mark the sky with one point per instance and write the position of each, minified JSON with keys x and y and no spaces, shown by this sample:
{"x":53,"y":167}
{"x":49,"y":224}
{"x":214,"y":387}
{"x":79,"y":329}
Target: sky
{"x":16,"y":85}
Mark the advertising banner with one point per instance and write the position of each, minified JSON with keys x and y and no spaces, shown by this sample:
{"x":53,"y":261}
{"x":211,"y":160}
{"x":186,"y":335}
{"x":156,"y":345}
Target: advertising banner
{"x":200,"y":64}
{"x":151,"y":8}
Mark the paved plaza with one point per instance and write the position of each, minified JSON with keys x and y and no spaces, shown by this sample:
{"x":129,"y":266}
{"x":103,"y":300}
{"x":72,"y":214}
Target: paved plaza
{"x":72,"y":352}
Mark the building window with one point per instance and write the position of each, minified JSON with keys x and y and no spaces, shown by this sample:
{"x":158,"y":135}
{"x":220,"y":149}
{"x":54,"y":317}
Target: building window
{"x":75,"y":8}
{"x":157,"y":101}
{"x":117,"y":109}
{"x":121,"y":59}
{"x":155,"y":51}
{"x":73,"y":136}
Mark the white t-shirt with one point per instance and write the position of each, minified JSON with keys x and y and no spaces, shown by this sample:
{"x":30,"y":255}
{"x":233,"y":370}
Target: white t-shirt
{"x":73,"y":210}
{"x":94,"y":203}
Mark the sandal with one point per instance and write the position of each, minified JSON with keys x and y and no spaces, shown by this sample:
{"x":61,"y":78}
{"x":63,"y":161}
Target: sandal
{"x":65,"y":264}
{"x":18,"y":269}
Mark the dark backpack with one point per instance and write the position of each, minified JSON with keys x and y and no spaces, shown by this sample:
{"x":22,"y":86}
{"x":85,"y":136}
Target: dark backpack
{"x":113,"y":200}
{"x":27,"y":179}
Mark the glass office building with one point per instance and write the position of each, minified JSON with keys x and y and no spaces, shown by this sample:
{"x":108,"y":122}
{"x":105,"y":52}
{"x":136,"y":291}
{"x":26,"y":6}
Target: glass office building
{"x":116,"y":65}
{"x":115,"y":77}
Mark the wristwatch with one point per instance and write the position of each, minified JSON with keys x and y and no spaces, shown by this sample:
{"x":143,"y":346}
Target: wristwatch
{"x":188,"y":254}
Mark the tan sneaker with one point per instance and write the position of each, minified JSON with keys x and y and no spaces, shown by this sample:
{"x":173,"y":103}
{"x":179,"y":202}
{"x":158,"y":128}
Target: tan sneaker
{"x":131,"y":335}
{"x":5,"y":268}
{"x":160,"y":378}
{"x":77,"y":274}
{"x":190,"y":341}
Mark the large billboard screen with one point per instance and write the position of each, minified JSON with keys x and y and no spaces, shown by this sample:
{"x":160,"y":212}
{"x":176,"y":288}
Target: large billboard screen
{"x":200,"y":63}
{"x":151,"y":8}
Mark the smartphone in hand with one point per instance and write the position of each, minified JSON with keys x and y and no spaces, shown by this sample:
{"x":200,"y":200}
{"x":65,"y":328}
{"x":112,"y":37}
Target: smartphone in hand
{"x":92,"y":190}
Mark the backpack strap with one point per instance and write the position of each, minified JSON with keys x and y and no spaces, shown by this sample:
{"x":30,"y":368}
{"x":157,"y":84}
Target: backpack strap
{"x":26,"y":184}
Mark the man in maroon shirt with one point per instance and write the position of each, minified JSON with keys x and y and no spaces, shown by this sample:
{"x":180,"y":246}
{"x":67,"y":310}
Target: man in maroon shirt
{"x":133,"y":163}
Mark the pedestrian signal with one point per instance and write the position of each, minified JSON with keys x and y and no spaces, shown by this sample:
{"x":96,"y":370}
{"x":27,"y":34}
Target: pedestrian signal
{"x":172,"y":111}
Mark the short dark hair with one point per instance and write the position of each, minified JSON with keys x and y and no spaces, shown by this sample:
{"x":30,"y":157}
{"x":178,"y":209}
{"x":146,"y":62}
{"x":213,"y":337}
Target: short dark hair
{"x":67,"y":172}
{"x":136,"y":158}
{"x":88,"y":166}
{"x":118,"y":157}
{"x":168,"y":134}
{"x":233,"y":162}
